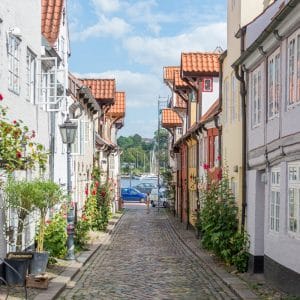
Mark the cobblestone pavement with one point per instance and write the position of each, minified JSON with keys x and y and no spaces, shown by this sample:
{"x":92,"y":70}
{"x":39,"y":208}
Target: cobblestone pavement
{"x":145,"y":259}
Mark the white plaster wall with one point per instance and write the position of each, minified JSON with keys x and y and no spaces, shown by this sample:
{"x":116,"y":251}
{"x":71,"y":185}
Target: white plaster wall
{"x":282,"y":247}
{"x":15,"y":14}
{"x":255,"y":212}
{"x":208,"y":98}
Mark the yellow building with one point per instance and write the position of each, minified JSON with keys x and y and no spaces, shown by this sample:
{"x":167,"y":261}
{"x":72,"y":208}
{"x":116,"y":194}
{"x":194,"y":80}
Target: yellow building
{"x":239,"y":13}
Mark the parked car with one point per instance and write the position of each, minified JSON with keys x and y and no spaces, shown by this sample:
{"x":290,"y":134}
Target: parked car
{"x":160,"y":201}
{"x":132,"y":194}
{"x":145,"y":187}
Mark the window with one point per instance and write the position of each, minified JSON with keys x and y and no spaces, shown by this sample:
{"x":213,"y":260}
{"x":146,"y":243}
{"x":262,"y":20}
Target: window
{"x":207,"y":85}
{"x":256,"y":94}
{"x":225,"y":99}
{"x":233,"y":98}
{"x":274,"y":84}
{"x":30,"y":75}
{"x":216,"y":150}
{"x":275,"y":199}
{"x":293,"y":196}
{"x":14,"y":64}
{"x":294,"y":69}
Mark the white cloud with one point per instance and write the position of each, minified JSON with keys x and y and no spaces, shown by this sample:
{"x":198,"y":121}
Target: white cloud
{"x":141,"y":89}
{"x":160,"y":51}
{"x":106,"y":5}
{"x":114,"y":27}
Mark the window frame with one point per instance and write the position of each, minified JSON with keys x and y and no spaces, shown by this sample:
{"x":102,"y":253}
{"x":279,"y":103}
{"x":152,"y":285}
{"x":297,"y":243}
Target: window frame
{"x":294,"y":184}
{"x":274,"y":203}
{"x":293,"y":70}
{"x":14,"y":54}
{"x":31,"y":76}
{"x":274,"y":92}
{"x":256,"y":97}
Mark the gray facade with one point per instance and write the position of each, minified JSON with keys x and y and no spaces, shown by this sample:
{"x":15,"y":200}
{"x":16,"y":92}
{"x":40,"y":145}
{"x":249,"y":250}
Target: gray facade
{"x":272,"y":65}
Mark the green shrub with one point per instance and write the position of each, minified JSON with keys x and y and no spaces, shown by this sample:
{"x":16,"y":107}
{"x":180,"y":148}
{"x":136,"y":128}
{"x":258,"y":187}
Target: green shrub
{"x":55,"y":239}
{"x":81,"y":237}
{"x":218,"y":224}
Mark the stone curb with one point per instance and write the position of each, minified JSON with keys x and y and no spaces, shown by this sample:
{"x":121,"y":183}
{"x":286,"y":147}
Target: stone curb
{"x":238,"y":287}
{"x":59,"y":283}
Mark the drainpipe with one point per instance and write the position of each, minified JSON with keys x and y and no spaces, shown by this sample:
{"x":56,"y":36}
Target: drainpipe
{"x":52,"y":146}
{"x":243,"y":92}
{"x":187,"y":187}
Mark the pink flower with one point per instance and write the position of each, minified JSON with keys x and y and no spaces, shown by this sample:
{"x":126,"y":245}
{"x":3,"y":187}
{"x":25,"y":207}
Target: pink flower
{"x":219,"y":157}
{"x":86,"y":192}
{"x":19,"y":154}
{"x":1,"y":97}
{"x":14,"y":121}
{"x":206,"y":166}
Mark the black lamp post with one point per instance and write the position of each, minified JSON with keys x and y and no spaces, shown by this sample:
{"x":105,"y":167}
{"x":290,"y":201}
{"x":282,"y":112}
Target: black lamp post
{"x":68,"y":133}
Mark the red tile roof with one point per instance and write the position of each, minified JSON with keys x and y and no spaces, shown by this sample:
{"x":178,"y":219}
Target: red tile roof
{"x":178,"y":82}
{"x":170,"y":118}
{"x":211,"y":111}
{"x":103,"y":90}
{"x":179,"y":102}
{"x":169,"y":73}
{"x":199,"y":63}
{"x":117,"y":110}
{"x":51,"y":17}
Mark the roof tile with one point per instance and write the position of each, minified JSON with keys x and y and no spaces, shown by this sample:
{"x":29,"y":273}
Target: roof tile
{"x":178,"y":82}
{"x":199,"y":63}
{"x":118,"y":108}
{"x":169,"y":73}
{"x":103,"y":90}
{"x":51,"y":17}
{"x":170,"y":118}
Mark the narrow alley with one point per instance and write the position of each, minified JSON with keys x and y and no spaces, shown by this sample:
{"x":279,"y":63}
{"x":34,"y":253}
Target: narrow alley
{"x":146,"y":259}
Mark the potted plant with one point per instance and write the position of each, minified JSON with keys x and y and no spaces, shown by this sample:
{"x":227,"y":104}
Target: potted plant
{"x":19,"y":197}
{"x":47,"y":195}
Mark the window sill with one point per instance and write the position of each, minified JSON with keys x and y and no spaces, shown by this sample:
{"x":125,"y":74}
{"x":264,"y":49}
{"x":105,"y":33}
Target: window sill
{"x":273,"y":117}
{"x":292,"y":106}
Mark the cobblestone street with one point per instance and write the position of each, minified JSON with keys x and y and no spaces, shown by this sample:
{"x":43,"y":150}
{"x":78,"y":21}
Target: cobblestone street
{"x":145,"y":259}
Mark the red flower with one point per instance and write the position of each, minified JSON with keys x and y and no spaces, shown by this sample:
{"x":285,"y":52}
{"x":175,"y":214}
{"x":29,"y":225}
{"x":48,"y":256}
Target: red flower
{"x":219,"y":157}
{"x":103,"y":194}
{"x":14,"y":121}
{"x":86,"y":191}
{"x":206,"y":166}
{"x":1,"y":97}
{"x":19,"y":154}
{"x":94,"y":192}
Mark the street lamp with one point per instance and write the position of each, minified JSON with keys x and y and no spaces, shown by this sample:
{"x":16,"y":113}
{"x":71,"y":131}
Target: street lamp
{"x":68,"y":133}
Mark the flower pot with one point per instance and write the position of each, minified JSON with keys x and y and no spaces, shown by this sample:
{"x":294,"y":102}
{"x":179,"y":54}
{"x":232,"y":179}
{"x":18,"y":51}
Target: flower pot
{"x":38,"y":263}
{"x":1,"y":272}
{"x":15,"y":271}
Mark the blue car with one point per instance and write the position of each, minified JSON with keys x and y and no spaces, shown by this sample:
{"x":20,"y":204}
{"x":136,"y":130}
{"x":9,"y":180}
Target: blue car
{"x":131,"y":194}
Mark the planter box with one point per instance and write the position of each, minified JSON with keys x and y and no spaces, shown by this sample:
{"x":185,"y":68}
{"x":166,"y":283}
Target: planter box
{"x":37,"y":281}
{"x":16,"y":271}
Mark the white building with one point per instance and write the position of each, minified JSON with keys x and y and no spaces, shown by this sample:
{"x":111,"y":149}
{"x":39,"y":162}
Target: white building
{"x":271,"y":61}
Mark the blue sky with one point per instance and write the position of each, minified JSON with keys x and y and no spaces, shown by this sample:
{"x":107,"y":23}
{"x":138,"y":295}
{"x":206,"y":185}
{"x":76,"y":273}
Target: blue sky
{"x":133,"y":40}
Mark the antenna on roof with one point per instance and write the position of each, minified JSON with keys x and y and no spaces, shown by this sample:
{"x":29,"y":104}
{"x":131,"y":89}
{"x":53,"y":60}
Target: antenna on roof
{"x":219,"y":49}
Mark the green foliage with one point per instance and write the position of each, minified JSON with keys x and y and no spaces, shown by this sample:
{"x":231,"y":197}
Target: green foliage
{"x":15,"y":136}
{"x":20,"y":195}
{"x":47,"y":194}
{"x":92,"y":213}
{"x":81,"y":237}
{"x":218,"y":224}
{"x":55,"y":239}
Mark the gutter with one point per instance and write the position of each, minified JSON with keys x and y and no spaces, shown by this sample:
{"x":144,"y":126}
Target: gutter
{"x":277,"y":19}
{"x":243,"y":92}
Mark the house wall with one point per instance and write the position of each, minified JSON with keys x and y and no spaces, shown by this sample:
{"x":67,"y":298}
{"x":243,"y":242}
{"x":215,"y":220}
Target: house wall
{"x":273,"y":145}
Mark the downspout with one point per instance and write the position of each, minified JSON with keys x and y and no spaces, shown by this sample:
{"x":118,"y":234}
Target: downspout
{"x":52,"y":145}
{"x":243,"y":92}
{"x":187,"y":187}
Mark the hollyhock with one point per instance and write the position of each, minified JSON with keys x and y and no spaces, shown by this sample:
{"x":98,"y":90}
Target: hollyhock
{"x":19,"y":154}
{"x":206,"y":166}
{"x":1,"y":97}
